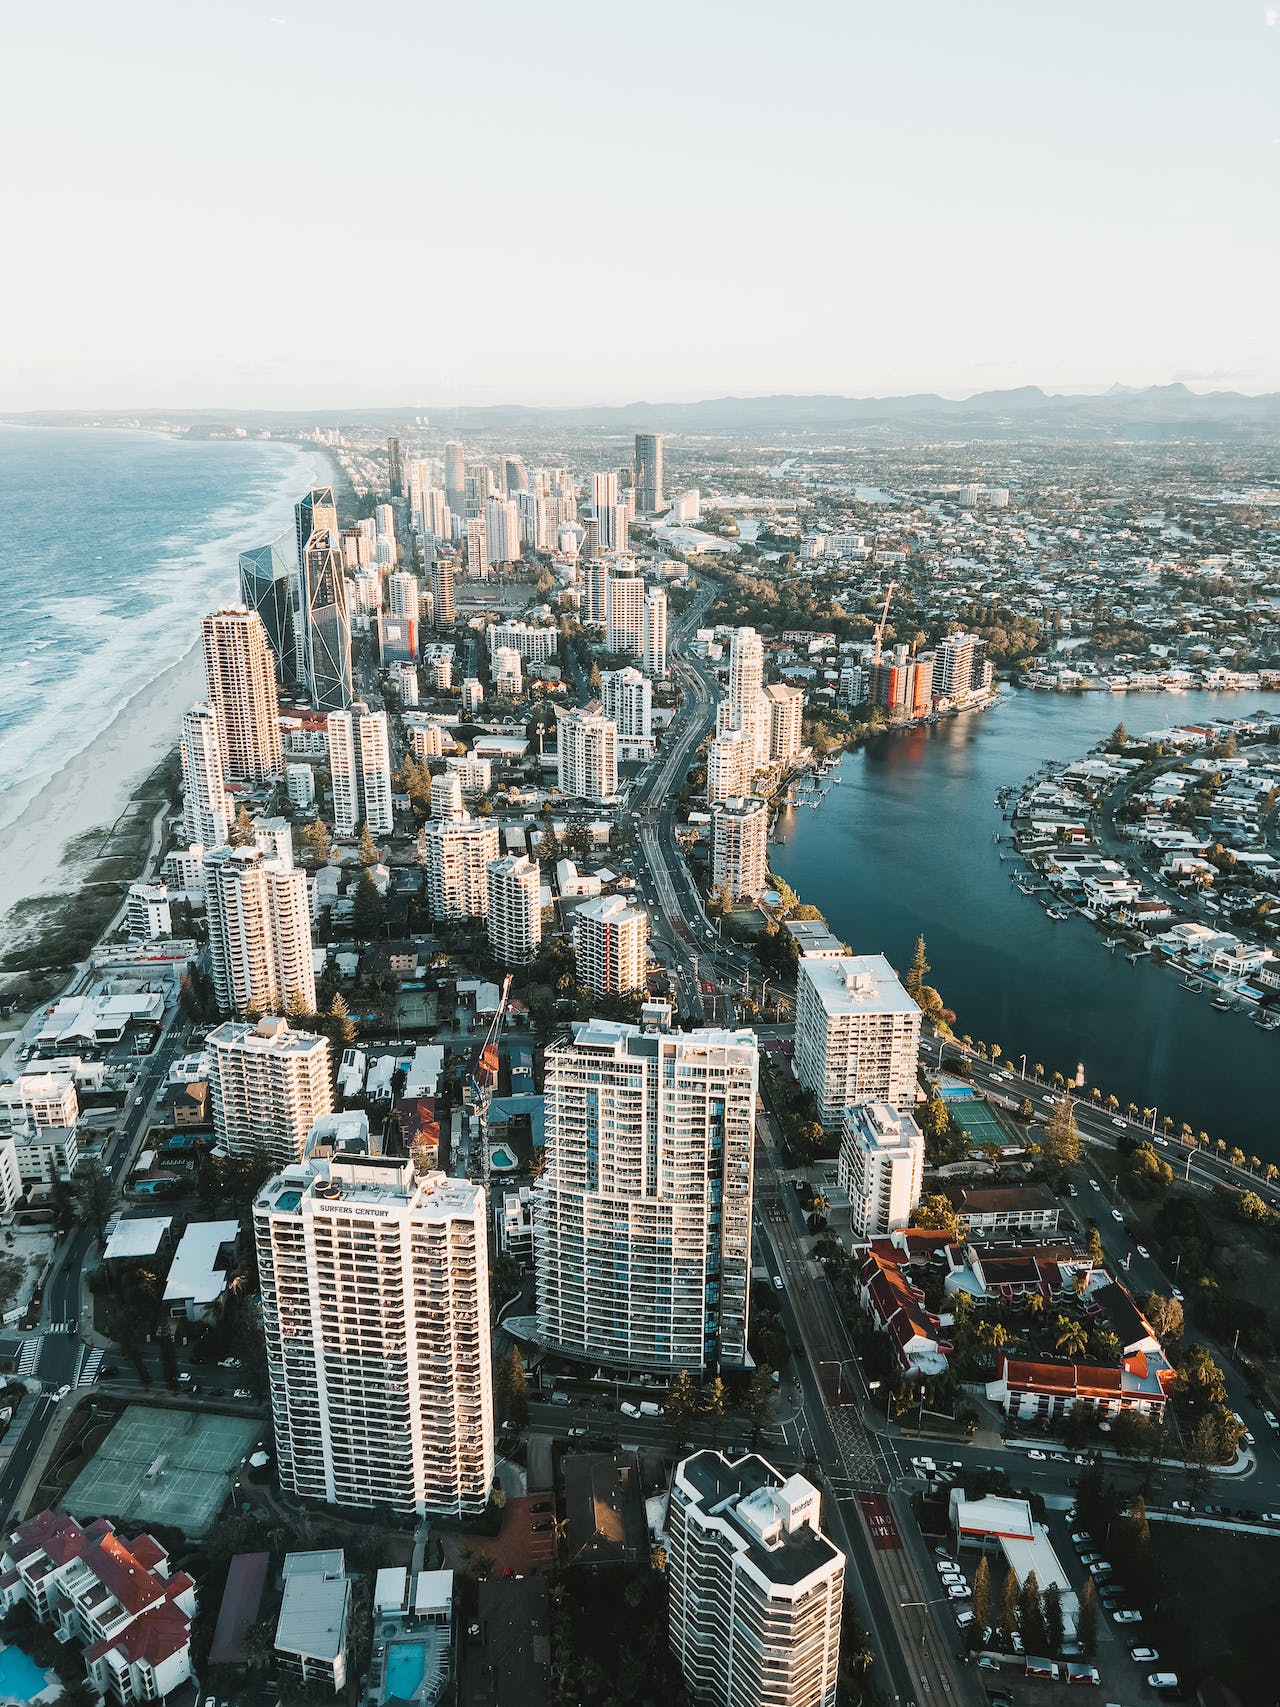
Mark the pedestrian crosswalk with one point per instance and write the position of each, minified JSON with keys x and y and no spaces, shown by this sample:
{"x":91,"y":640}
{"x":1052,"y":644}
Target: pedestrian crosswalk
{"x":66,"y":1327}
{"x":30,"y":1352}
{"x":89,"y":1368}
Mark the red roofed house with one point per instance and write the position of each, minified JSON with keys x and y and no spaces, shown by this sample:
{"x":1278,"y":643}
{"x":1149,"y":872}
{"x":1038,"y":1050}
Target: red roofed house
{"x":1042,"y":1391}
{"x":898,"y":1307}
{"x":117,"y":1598}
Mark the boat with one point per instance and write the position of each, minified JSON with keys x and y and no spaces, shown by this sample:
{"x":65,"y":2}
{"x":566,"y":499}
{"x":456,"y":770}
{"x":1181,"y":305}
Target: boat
{"x":1138,"y":954}
{"x":1221,"y":1003}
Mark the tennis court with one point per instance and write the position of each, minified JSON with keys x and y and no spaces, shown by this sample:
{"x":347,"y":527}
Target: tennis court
{"x":980,"y":1123}
{"x":163,"y":1467}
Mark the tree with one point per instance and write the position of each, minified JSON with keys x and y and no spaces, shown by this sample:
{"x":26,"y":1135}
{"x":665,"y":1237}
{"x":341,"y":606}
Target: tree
{"x":682,"y":1405}
{"x":168,"y":1356}
{"x":1087,"y":1619}
{"x":1093,"y":1244}
{"x":982,"y":1592}
{"x":917,"y":972}
{"x":1165,"y":1316}
{"x":936,"y":1213}
{"x":1031,"y":1616}
{"x":1070,"y":1337}
{"x":318,"y":842}
{"x":367,"y":909}
{"x":368,"y":847}
{"x":1062,"y":1143}
{"x":1200,"y":1385}
{"x":1009,"y":1602}
{"x":93,"y":1194}
{"x":241,"y":833}
{"x":1054,"y":1627}
{"x":1118,"y":739}
{"x":517,"y":1390}
{"x":758,"y":1399}
{"x":714,"y":1405}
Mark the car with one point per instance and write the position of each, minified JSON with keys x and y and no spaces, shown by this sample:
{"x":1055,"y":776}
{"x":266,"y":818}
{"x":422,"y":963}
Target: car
{"x":137,"y":1102}
{"x":1183,"y":1505}
{"x":1162,"y":1680}
{"x":1142,"y":1250}
{"x":231,"y":1363}
{"x":1116,"y":1121}
{"x":1148,"y":1656}
{"x":942,"y":1552}
{"x":777,"y":1281}
{"x":1080,"y":1671}
{"x":541,"y":1505}
{"x":959,"y":1591}
{"x":1248,"y":1439}
{"x":1094,"y":1186}
{"x":921,"y":1465}
{"x":1176,"y":1292}
{"x":1072,"y":1191}
{"x":988,"y":1662}
{"x":243,"y":1393}
{"x":542,"y":1525}
{"x":1127,"y":1615}
{"x":945,"y":1566}
{"x":1116,"y":1215}
{"x":1271,"y":1419}
{"x":184,"y":1378}
{"x":1015,"y":1642}
{"x":1080,"y":1537}
{"x":576,"y":1433}
{"x":1035,"y":1452}
{"x":964,"y":1618}
{"x":1103,"y":1568}
{"x":1060,"y":1458}
{"x":61,"y":1393}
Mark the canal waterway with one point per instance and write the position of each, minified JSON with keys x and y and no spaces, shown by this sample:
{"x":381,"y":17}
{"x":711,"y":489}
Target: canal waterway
{"x":905,"y":845}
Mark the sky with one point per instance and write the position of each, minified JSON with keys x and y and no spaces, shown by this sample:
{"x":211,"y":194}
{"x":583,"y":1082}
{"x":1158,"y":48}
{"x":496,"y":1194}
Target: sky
{"x":288,"y":205}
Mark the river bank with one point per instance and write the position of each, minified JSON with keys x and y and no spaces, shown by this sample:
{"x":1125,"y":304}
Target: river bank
{"x":906,"y":846}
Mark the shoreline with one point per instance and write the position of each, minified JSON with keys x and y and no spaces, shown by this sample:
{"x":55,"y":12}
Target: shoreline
{"x":92,"y":788}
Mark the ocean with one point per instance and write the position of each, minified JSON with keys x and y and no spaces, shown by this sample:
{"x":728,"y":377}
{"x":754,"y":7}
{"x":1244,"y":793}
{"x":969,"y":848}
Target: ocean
{"x":115,"y":544}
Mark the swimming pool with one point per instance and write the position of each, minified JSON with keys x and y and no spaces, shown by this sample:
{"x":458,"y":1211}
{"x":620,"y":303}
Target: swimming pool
{"x":21,"y":1679}
{"x":406,"y":1662}
{"x":502,"y":1159}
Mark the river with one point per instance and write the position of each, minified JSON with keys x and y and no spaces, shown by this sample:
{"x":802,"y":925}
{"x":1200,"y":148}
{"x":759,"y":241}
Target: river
{"x":905,"y":846}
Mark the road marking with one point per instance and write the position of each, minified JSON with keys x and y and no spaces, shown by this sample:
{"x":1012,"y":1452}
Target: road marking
{"x":879,"y":1520}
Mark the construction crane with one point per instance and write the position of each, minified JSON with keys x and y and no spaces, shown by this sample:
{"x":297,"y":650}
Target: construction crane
{"x":485,"y":1077}
{"x":884,"y":617}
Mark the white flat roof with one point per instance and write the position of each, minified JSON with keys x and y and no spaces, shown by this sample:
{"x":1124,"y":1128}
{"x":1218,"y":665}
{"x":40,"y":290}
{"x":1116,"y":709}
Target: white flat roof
{"x":856,"y":984}
{"x":192,"y":1274}
{"x":136,"y":1236}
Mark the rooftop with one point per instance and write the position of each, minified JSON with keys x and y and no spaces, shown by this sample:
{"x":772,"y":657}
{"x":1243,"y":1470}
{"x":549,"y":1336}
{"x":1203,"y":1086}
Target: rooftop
{"x":856,"y":984}
{"x":772,"y":1520}
{"x":313,"y":1613}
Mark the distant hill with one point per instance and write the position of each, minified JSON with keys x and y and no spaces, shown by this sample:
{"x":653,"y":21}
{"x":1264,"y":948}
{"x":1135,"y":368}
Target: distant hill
{"x":1159,"y":411}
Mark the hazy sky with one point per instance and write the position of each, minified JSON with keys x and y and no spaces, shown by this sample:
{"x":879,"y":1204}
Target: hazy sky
{"x":311,"y":205}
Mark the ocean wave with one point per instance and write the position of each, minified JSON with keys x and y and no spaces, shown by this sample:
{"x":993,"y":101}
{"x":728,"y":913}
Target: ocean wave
{"x":102,"y":646}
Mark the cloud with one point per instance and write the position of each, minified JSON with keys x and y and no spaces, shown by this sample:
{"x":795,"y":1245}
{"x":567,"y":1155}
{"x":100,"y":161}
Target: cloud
{"x":1271,"y":17}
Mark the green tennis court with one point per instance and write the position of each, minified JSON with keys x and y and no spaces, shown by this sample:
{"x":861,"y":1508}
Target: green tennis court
{"x":982,"y":1126}
{"x":163,"y":1467}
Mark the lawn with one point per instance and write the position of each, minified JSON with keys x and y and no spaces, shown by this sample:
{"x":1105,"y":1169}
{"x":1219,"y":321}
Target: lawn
{"x":1215,"y":1607}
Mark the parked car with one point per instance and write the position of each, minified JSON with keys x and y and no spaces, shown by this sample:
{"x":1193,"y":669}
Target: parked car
{"x":1162,"y":1680}
{"x":1142,"y":1250}
{"x":243,"y":1393}
{"x":1015,"y":1641}
{"x":1036,"y":1453}
{"x":231,"y":1363}
{"x":1080,"y":1537}
{"x":1148,"y":1656}
{"x":1127,"y":1616}
{"x":1080,"y":1672}
{"x":1116,"y":1215}
{"x":959,"y":1591}
{"x":576,"y":1433}
{"x":963,"y":1619}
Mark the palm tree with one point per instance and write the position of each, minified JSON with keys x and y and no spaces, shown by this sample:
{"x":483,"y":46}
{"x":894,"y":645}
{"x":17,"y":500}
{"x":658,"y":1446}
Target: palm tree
{"x":1254,"y":1164}
{"x":1037,"y":1068}
{"x":996,"y":1051}
{"x":1271,"y":1174}
{"x":1236,"y":1158}
{"x":1166,"y":1120}
{"x":1202,"y":1139}
{"x":1071,"y":1338}
{"x":1113,"y":1103}
{"x":1221,"y":1146}
{"x":1184,"y":1133}
{"x":1096,"y":1094}
{"x":1035,"y":1304}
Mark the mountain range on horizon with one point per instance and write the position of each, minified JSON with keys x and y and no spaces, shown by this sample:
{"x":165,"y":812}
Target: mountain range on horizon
{"x":1028,"y":410}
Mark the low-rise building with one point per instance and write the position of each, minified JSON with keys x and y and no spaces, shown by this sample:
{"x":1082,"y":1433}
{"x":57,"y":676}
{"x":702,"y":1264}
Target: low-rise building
{"x":411,"y":1657}
{"x":1005,"y":1208}
{"x":311,"y":1631}
{"x":121,"y":1601}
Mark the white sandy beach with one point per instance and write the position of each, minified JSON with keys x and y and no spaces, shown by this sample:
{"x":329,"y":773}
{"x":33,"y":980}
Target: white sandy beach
{"x":92,"y":789}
